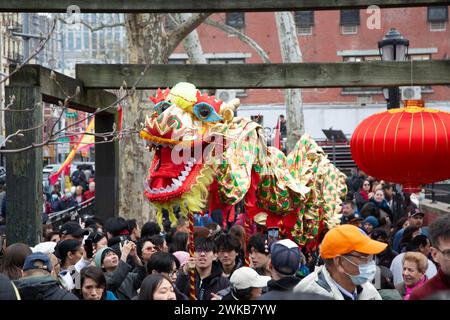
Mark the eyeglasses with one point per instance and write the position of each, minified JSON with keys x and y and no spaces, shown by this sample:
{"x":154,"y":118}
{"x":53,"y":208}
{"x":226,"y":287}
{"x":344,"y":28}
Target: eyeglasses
{"x":363,"y":259}
{"x":445,"y":253}
{"x":172,"y":273}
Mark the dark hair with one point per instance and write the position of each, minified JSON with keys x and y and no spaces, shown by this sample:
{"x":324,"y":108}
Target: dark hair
{"x":149,"y":229}
{"x":167,"y":225}
{"x":205,"y":244}
{"x":258,"y":242}
{"x":416,"y":242}
{"x":64,"y":247}
{"x":387,"y":186}
{"x":92,"y":222}
{"x":96,"y":236}
{"x":370,"y":209}
{"x":212,"y":226}
{"x":400,"y":222}
{"x":161,"y":262}
{"x":439,"y":229}
{"x":49,"y":235}
{"x":351,"y":203}
{"x":242,"y":294}
{"x":227,"y":242}
{"x":46,"y":229}
{"x":150,"y":284}
{"x":407,"y":236}
{"x":179,"y":242}
{"x":116,"y":226}
{"x":386,"y":278}
{"x":140,"y":244}
{"x":238,"y":231}
{"x":157,"y":240}
{"x":379,"y":233}
{"x":132,"y":224}
{"x":369,"y":181}
{"x":95,"y":274}
{"x":14,"y":259}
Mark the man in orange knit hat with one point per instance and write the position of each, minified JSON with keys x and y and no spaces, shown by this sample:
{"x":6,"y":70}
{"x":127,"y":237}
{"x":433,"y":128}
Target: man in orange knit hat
{"x":349,"y":266}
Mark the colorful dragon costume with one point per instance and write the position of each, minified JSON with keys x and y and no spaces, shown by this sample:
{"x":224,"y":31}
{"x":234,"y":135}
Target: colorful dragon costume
{"x":205,"y":155}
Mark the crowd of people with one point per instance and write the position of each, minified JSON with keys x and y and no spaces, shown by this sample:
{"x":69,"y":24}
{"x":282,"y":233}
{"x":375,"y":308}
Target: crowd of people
{"x":381,"y":250}
{"x":80,"y":187}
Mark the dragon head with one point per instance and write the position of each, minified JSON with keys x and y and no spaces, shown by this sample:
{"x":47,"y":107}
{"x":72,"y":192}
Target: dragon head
{"x":180,"y":129}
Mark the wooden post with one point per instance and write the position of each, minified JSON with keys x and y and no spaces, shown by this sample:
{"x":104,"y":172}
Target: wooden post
{"x":24,"y":204}
{"x":106,"y":169}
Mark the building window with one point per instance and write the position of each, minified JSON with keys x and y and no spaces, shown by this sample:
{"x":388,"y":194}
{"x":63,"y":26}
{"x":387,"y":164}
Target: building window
{"x":350,"y":29}
{"x":437,"y":14}
{"x":350,"y":17}
{"x":304,"y":21}
{"x":235,"y":19}
{"x":437,"y":18}
{"x":438,"y":26}
{"x":70,"y":41}
{"x":177,"y":61}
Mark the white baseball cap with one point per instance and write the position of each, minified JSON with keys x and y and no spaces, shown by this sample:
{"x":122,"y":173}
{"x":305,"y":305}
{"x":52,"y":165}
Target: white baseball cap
{"x":245,"y":277}
{"x":45,"y":247}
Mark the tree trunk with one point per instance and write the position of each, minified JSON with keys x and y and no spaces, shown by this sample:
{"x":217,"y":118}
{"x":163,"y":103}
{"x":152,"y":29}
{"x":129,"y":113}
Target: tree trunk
{"x":192,"y":44}
{"x":148,"y":43}
{"x":290,"y":52}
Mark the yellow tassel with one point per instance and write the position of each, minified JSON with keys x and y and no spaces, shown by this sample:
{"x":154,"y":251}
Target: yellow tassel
{"x":159,"y":217}
{"x":172,"y":218}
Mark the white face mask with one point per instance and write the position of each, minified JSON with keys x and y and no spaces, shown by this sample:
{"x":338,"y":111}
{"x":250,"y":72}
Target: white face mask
{"x":367,"y":272}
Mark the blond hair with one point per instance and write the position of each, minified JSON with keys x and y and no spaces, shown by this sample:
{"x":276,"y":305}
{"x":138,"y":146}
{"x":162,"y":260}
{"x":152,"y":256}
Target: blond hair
{"x":420,"y":259}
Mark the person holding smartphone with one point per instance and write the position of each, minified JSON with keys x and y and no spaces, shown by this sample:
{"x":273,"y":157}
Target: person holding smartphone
{"x":119,"y":278}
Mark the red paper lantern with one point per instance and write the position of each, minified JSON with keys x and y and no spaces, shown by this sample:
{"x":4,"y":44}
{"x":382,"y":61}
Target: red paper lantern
{"x":409,"y":145}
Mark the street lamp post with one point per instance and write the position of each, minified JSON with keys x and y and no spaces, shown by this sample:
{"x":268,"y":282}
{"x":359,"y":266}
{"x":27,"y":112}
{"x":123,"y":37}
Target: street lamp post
{"x":393,"y":47}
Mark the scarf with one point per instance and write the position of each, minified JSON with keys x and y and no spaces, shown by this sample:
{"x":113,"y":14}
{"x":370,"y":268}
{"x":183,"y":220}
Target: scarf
{"x":364,"y":194}
{"x":410,"y":289}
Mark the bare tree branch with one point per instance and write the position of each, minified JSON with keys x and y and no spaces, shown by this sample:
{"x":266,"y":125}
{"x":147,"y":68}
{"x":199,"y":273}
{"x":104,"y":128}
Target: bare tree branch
{"x":243,"y":37}
{"x":97,"y":27}
{"x":177,"y":35}
{"x":39,"y":49}
{"x":115,"y":103}
{"x":20,"y":133}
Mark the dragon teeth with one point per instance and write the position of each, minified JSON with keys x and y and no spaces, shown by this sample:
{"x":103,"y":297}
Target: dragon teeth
{"x":176,"y":182}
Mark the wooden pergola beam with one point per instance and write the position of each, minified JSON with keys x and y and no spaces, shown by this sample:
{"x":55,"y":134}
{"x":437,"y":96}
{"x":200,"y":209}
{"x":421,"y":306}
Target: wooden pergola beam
{"x":57,"y":90}
{"x":290,"y":75}
{"x":32,"y":85}
{"x":160,"y":6}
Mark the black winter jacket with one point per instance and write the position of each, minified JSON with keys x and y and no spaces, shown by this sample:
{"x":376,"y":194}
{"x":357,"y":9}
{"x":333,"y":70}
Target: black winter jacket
{"x":276,"y":287}
{"x":203,"y":288}
{"x":42,"y":288}
{"x":123,"y":283}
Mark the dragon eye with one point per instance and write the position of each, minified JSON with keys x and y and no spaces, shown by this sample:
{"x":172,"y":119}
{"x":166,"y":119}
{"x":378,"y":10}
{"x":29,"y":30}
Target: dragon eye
{"x":160,"y":107}
{"x":206,"y":113}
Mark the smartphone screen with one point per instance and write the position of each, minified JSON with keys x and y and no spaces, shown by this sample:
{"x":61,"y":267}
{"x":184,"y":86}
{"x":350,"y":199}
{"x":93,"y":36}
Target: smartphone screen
{"x":89,"y":248}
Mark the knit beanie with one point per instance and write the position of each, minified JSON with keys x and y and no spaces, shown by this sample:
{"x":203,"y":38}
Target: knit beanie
{"x":100,"y":255}
{"x":372,"y":220}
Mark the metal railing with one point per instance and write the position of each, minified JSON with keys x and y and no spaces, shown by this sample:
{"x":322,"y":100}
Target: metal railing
{"x":85,"y":208}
